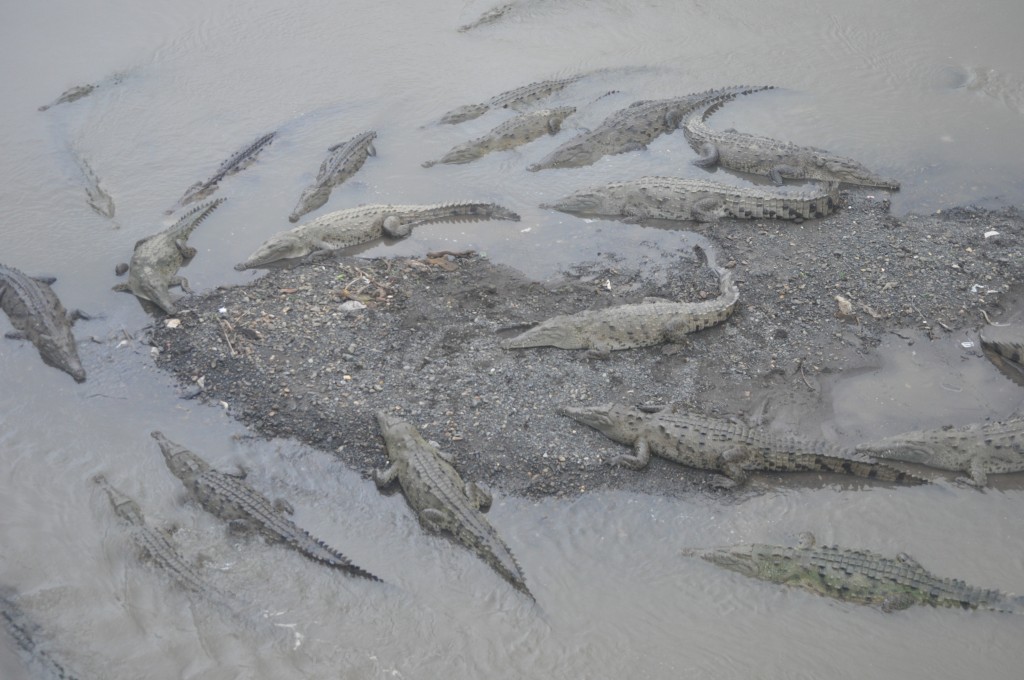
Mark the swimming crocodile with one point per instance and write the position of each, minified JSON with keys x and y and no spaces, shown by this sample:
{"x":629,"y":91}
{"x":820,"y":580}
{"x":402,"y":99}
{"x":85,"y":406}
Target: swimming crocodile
{"x":979,"y":449}
{"x":517,"y":99}
{"x":155,"y":545}
{"x":676,"y":198}
{"x":632,"y":128}
{"x":731,"y":449}
{"x":1004,"y":347}
{"x":39,"y":317}
{"x":440,"y":498}
{"x":344,"y":160}
{"x":97,"y":198}
{"x":770,"y":157}
{"x":366,"y":223}
{"x":631,"y":325}
{"x":522,"y":129}
{"x":156,"y":259}
{"x":858,"y":576}
{"x":238,"y":161}
{"x":243,"y":507}
{"x":26,"y":635}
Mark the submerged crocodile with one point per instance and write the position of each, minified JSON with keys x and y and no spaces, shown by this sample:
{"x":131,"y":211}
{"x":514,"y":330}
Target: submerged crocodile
{"x":522,"y":129}
{"x":97,"y":198}
{"x":770,"y":157}
{"x":155,"y":545}
{"x":858,"y":576}
{"x":632,"y":128}
{"x":1004,"y":346}
{"x":440,"y":498}
{"x":979,"y":449}
{"x":243,"y":507}
{"x":73,"y":94}
{"x":238,"y":161}
{"x":517,"y":99}
{"x":39,"y":317}
{"x":730,"y":449}
{"x":676,"y":198}
{"x":26,"y":635}
{"x":344,"y":160}
{"x":156,"y":259}
{"x":366,"y":223}
{"x":632,"y":325}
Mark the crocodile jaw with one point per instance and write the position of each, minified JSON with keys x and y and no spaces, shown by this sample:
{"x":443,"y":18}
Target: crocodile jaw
{"x":312,"y":198}
{"x":589,"y":203}
{"x":61,"y":353}
{"x":739,"y":559}
{"x":611,"y":420}
{"x":180,"y":461}
{"x":280,"y":247}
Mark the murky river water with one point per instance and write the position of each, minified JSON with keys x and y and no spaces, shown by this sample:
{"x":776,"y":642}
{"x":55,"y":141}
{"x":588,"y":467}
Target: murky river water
{"x":929,"y":92}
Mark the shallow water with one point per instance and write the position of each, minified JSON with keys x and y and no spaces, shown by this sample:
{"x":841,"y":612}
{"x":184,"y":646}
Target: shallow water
{"x":930,"y":93}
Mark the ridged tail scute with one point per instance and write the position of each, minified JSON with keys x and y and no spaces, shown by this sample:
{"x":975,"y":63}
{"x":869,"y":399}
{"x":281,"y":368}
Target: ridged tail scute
{"x":337,"y":560}
{"x":858,"y":468}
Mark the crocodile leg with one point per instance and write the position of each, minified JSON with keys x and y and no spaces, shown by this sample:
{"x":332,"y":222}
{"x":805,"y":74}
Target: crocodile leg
{"x":732,"y":466}
{"x":284,"y":507}
{"x":433,"y":520}
{"x":707,"y":209}
{"x":708,"y":156}
{"x":640,"y":458}
{"x":180,"y":282}
{"x":978,"y":475}
{"x":776,"y":173}
{"x":385,"y":477}
{"x":479,"y":497}
{"x":895,"y":603}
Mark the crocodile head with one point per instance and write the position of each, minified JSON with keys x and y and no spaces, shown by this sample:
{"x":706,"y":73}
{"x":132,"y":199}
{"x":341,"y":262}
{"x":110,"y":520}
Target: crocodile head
{"x":464,"y":113}
{"x":768,"y":563}
{"x":59,"y":351}
{"x":312,"y":198}
{"x":606,"y":200}
{"x":852,"y":172}
{"x":283,"y":246}
{"x":615,"y":421}
{"x":180,"y":461}
{"x":124,"y":507}
{"x":399,"y":435}
{"x":573,"y":154}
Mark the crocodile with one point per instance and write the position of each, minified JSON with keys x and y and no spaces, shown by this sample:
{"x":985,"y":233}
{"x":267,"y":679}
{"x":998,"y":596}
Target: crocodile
{"x":1004,"y":346}
{"x":440,"y":498}
{"x":632,"y":128}
{"x":631,"y":325}
{"x":522,"y":129}
{"x":344,"y":160}
{"x":155,"y":545}
{"x":39,"y":317}
{"x":26,"y":633}
{"x":69,"y":95}
{"x":97,"y":198}
{"x":731,"y":449}
{"x":775,"y":159}
{"x":859,"y":576}
{"x":366,"y":223}
{"x":231,"y":499}
{"x":238,"y":161}
{"x":517,"y":99}
{"x":676,"y":198}
{"x":156,"y":259}
{"x":979,"y":449}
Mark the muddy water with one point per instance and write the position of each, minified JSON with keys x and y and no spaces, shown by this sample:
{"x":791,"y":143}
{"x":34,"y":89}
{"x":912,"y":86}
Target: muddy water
{"x":931,"y":93}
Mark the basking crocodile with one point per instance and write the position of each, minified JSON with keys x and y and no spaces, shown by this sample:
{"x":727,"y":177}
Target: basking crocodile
{"x":157,"y":258}
{"x":675,"y":198}
{"x":239,"y":161}
{"x":632,"y":128}
{"x":979,"y":449}
{"x":440,"y":498}
{"x":155,"y":545}
{"x":26,"y":634}
{"x":98,"y":199}
{"x":858,"y":576}
{"x":243,"y":507}
{"x":770,"y":157}
{"x":522,"y":129}
{"x":366,"y":223}
{"x":729,"y":448}
{"x":1004,"y":346}
{"x":517,"y":99}
{"x":631,"y":325}
{"x":344,"y":160}
{"x":39,"y":317}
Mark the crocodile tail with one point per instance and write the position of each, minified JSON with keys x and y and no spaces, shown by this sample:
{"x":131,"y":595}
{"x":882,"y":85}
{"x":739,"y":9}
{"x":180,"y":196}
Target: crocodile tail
{"x":332,"y":558}
{"x":858,"y":467}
